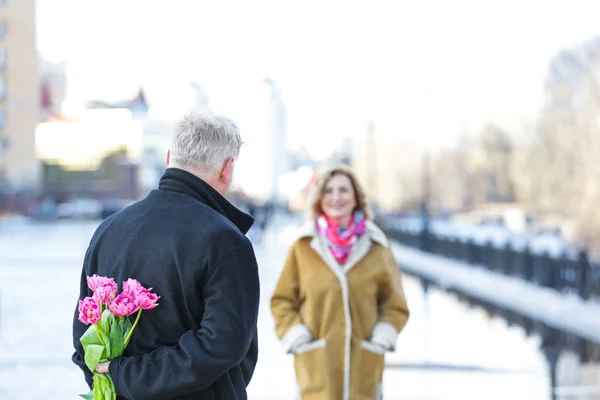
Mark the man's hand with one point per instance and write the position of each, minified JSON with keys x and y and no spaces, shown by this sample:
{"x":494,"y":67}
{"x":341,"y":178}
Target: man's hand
{"x":103,"y":367}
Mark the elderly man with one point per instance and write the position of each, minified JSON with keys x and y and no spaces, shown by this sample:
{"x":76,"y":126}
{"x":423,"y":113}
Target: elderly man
{"x":188,"y":243}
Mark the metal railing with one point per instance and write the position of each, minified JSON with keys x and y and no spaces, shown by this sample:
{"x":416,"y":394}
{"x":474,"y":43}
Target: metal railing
{"x":568,"y":272}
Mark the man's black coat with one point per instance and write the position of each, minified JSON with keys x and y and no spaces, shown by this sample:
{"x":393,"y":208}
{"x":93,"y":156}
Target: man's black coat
{"x":188,"y":243}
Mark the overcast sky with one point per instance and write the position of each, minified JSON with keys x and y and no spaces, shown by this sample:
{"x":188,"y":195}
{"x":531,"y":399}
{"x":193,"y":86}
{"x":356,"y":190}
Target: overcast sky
{"x":417,"y":68}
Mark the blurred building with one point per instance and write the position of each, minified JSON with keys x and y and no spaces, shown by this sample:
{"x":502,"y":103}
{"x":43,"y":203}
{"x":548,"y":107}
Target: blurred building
{"x":277,"y":130}
{"x":112,"y":149}
{"x":19,"y":94}
{"x":199,"y":97}
{"x":138,"y":105}
{"x":156,"y":140}
{"x":388,"y":168}
{"x":53,"y":87}
{"x":172,"y":101}
{"x":92,"y":155}
{"x":265,"y":156}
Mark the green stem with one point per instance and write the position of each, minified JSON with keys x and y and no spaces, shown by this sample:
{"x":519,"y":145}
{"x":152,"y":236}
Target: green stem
{"x":112,"y":387}
{"x":133,"y":327}
{"x":100,"y":333}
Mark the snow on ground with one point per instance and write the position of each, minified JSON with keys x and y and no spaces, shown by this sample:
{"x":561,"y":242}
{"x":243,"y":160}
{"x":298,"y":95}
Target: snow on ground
{"x":497,"y":235}
{"x":44,"y":259}
{"x":561,"y":311}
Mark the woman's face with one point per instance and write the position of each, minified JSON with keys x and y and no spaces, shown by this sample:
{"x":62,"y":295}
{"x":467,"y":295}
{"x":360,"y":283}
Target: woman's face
{"x":338,"y":201}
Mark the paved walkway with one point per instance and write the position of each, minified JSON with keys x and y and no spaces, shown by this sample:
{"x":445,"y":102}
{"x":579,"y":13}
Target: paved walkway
{"x":35,"y":333}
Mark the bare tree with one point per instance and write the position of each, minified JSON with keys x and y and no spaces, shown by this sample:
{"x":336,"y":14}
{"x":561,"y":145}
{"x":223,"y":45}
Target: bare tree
{"x":563,"y":163}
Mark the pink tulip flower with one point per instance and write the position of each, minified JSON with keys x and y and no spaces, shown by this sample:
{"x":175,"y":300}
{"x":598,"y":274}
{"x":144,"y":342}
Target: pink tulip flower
{"x":143,"y":297}
{"x":105,"y":289}
{"x":131,"y":286}
{"x":146,"y":299}
{"x":89,"y":311}
{"x":123,"y":305}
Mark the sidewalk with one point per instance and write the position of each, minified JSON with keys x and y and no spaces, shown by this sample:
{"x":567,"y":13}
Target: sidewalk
{"x":35,"y":336}
{"x":450,"y":334}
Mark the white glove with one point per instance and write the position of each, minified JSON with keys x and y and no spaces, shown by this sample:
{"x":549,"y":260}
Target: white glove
{"x":297,"y":336}
{"x":385,"y":346}
{"x":300,"y":341}
{"x":384,"y":335}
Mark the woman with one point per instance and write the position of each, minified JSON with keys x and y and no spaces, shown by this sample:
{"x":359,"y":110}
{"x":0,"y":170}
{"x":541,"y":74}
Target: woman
{"x":339,"y":303}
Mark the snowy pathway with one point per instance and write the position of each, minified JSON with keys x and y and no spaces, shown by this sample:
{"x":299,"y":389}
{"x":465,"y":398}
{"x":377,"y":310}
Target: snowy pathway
{"x":35,"y":334}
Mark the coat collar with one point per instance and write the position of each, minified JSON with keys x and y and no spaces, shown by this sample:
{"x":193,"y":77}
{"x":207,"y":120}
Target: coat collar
{"x":372,"y":232}
{"x":361,"y":248}
{"x":178,"y":180}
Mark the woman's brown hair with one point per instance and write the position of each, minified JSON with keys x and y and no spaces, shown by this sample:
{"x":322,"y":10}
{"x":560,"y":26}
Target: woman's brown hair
{"x":359,"y":194}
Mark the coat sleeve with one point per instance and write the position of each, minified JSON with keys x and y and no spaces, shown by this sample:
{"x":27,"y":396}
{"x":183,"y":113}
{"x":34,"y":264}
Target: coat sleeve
{"x":393,"y":310}
{"x":228,"y":328}
{"x":79,"y":328}
{"x":285,"y":303}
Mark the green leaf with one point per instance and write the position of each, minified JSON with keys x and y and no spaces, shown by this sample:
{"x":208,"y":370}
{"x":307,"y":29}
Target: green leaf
{"x":107,"y":348}
{"x":91,"y":336}
{"x":112,"y":387}
{"x":104,"y":321}
{"x":108,"y":391}
{"x":97,"y":387}
{"x":125,"y":326}
{"x":103,"y":387}
{"x":115,"y":335}
{"x":88,"y":396}
{"x":93,"y":353}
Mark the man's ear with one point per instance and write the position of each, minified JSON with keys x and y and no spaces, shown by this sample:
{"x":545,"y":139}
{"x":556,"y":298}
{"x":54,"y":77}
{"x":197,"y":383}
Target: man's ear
{"x":168,"y":157}
{"x":227,"y":171}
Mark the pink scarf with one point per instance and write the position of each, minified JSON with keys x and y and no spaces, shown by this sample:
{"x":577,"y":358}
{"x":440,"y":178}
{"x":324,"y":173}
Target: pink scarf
{"x":341,"y":240}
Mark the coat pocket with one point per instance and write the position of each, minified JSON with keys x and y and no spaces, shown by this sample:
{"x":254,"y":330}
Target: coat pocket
{"x":311,"y":367}
{"x":372,"y":347}
{"x":314,"y":345}
{"x":371,"y":368}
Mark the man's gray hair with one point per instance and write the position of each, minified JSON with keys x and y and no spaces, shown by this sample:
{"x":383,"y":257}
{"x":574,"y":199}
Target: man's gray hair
{"x":204,"y":141}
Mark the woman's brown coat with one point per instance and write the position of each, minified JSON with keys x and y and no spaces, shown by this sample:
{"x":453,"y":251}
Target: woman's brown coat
{"x":340,"y":305}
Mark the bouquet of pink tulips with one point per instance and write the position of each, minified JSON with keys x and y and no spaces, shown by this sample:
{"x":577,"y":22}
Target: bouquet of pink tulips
{"x":111,"y":329}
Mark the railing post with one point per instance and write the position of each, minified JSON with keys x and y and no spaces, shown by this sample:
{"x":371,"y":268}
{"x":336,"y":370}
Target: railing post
{"x":426,"y":319}
{"x":545,"y":270}
{"x":562,"y":271}
{"x":425,"y":238}
{"x":551,"y":352}
{"x":527,"y":264}
{"x":507,"y":259}
{"x":584,"y":269}
{"x":470,"y":247}
{"x":487,"y":258}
